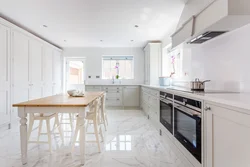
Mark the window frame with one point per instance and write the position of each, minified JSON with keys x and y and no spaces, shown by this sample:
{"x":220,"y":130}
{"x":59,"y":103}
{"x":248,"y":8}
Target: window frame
{"x":133,"y":69}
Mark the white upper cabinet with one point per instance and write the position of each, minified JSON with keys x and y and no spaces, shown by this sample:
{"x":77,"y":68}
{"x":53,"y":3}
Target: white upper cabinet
{"x":4,"y":75}
{"x":35,"y":69}
{"x":20,"y":67}
{"x":47,"y":71}
{"x":57,"y":72}
{"x":152,"y":63}
{"x":227,"y":136}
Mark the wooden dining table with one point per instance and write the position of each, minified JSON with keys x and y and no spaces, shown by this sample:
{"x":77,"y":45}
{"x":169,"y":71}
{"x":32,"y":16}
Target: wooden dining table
{"x":55,"y":104}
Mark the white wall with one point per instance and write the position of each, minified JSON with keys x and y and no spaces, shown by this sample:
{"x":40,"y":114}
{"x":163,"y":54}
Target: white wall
{"x":94,"y":62}
{"x":225,"y":60}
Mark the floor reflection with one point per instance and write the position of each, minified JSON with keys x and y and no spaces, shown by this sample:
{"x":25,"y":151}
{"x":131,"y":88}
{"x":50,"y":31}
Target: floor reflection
{"x":120,"y":143}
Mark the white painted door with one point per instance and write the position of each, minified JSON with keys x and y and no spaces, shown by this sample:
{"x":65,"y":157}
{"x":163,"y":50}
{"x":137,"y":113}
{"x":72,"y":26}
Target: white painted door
{"x":35,"y":69}
{"x":57,"y":72}
{"x":227,"y":136}
{"x":4,"y":75}
{"x":47,"y":71}
{"x":75,"y":72}
{"x":131,"y":96}
{"x":20,"y":67}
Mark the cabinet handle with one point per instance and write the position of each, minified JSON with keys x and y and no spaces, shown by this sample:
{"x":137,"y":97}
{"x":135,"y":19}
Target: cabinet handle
{"x":207,"y":108}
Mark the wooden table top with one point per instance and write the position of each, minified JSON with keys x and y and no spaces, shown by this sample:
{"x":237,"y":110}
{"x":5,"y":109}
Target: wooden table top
{"x":62,"y":100}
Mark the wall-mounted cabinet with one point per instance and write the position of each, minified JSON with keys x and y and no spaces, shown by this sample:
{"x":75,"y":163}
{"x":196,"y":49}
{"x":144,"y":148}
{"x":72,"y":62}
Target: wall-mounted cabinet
{"x":152,"y":65}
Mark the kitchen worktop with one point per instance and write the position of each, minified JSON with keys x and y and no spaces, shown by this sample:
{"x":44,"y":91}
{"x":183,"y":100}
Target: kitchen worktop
{"x":238,"y":100}
{"x":112,"y":84}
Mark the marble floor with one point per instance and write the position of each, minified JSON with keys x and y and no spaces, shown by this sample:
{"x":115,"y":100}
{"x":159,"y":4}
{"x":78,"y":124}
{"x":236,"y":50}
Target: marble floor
{"x":130,"y":140}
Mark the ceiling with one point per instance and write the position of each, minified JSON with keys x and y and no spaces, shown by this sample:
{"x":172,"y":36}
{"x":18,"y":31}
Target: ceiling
{"x":96,"y":23}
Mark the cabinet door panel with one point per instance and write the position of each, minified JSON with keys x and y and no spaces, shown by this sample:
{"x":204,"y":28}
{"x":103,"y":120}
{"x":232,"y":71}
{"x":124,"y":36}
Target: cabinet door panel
{"x":4,"y":75}
{"x":47,"y":71}
{"x":228,"y":135}
{"x":20,"y":67}
{"x":57,"y":72}
{"x":35,"y":70}
{"x":131,"y":96}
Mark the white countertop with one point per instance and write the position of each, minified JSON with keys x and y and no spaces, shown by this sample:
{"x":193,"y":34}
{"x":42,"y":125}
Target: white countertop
{"x":112,"y":84}
{"x":238,"y":100}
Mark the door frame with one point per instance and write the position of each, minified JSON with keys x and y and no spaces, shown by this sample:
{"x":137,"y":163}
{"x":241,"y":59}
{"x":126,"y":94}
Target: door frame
{"x":65,"y":72}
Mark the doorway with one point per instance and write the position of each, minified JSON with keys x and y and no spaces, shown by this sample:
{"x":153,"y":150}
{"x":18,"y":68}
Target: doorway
{"x":75,"y":74}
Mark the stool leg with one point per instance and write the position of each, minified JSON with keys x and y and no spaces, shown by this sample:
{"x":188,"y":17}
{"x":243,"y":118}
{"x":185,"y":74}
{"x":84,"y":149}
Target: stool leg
{"x":75,"y":135}
{"x":97,"y":136}
{"x":70,"y":121}
{"x":59,"y":128}
{"x":39,"y":129}
{"x":48,"y":133}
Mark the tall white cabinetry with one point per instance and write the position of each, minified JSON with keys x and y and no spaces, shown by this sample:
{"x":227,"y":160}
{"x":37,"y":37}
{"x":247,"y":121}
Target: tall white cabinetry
{"x":152,"y":65}
{"x":57,"y":72}
{"x":4,"y":75}
{"x":30,"y":68}
{"x":35,"y":69}
{"x":47,"y":71}
{"x":20,"y":67}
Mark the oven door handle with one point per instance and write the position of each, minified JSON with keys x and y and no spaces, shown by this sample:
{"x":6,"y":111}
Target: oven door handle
{"x":188,"y":111}
{"x":168,"y":102}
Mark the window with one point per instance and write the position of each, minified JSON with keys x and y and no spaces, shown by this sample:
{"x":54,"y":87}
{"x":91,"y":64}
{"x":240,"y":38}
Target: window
{"x":117,"y":67}
{"x":171,"y":62}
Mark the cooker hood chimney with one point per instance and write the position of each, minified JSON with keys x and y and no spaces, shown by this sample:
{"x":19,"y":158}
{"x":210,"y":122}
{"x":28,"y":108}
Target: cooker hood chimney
{"x":216,"y":19}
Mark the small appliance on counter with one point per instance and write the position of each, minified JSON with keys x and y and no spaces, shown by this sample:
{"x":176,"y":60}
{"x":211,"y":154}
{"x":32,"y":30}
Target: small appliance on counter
{"x":165,"y":81}
{"x":198,"y":85}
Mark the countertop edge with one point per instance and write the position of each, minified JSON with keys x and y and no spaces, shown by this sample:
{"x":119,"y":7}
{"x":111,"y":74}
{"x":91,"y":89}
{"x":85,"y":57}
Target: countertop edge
{"x":218,"y":100}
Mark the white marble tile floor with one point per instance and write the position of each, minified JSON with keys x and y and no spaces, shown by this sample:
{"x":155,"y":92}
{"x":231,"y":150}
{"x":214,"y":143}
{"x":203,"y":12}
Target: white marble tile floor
{"x":130,"y":140}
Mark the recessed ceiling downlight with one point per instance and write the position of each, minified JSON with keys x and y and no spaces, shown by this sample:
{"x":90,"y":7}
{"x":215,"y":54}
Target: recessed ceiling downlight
{"x":101,"y":40}
{"x":45,"y":26}
{"x":136,"y":26}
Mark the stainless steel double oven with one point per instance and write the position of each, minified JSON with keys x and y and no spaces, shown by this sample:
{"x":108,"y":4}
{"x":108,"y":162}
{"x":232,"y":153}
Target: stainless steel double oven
{"x":182,"y":117}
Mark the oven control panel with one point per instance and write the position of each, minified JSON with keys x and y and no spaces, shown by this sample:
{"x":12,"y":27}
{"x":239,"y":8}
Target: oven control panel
{"x":195,"y":104}
{"x":166,"y":95}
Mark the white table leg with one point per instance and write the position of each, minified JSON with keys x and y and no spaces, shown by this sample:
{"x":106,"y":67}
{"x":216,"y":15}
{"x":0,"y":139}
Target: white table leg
{"x":81,"y":117}
{"x":23,"y":134}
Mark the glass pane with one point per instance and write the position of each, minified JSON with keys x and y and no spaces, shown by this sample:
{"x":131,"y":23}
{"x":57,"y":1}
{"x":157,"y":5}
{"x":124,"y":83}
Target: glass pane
{"x":122,"y":146}
{"x":128,"y":146}
{"x":123,"y":68}
{"x":122,"y":137}
{"x":76,"y":72}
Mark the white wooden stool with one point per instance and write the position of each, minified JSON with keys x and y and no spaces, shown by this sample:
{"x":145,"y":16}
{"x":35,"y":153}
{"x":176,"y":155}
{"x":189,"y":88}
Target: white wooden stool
{"x":47,"y":118}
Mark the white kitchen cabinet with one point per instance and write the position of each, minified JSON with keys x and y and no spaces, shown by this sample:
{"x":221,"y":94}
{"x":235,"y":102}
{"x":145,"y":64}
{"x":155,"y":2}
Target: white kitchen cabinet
{"x":152,"y":64}
{"x":57,"y":72}
{"x":35,"y":69}
{"x":227,"y":136}
{"x":4,"y":75}
{"x":90,"y":88}
{"x":131,"y":96}
{"x":47,"y":71}
{"x":113,"y":95}
{"x":20,"y":67}
{"x":151,"y":105}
